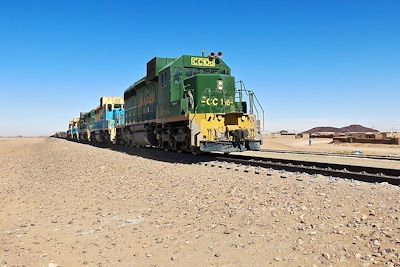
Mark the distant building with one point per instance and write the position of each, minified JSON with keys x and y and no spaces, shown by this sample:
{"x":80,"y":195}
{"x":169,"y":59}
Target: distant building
{"x":371,"y":138}
{"x":286,"y":132}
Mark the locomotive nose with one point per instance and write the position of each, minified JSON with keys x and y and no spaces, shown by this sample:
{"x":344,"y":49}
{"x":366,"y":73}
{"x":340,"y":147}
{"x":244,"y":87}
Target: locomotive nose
{"x":213,"y":93}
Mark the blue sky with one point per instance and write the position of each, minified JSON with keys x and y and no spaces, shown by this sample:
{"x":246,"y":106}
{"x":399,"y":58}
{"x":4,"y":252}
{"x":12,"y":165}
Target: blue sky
{"x":311,"y":63}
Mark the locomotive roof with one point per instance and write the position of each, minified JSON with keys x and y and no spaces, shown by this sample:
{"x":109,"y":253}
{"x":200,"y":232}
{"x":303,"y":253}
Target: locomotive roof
{"x":143,"y":80}
{"x":220,"y":65}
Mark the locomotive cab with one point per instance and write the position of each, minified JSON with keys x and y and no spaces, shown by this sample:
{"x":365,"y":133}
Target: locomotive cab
{"x":108,"y":115}
{"x":73,"y":129}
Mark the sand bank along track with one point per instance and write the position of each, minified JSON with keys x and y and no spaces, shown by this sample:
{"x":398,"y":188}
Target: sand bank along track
{"x":74,"y":205}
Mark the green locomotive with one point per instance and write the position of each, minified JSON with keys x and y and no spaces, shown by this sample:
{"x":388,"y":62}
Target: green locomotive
{"x":189,"y":103}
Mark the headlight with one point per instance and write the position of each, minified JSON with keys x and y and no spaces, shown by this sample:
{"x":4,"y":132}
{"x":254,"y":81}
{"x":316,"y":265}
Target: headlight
{"x":220,"y":85}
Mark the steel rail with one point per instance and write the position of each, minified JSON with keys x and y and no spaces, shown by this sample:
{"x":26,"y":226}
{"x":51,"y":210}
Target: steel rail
{"x":332,"y":154}
{"x":353,"y":172}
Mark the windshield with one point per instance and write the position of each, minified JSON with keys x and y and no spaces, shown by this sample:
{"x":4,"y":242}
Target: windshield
{"x":194,"y":71}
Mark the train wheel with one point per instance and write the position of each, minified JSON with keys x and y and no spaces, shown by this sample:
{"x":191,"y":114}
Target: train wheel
{"x":165,"y":146}
{"x":179,"y":147}
{"x":195,"y":150}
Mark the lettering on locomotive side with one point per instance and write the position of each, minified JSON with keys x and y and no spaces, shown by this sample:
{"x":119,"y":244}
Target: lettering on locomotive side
{"x":203,"y":62}
{"x":147,"y":100}
{"x":216,"y":102}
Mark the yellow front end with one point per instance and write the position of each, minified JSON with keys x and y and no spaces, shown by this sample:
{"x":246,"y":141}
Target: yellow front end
{"x":232,"y":132}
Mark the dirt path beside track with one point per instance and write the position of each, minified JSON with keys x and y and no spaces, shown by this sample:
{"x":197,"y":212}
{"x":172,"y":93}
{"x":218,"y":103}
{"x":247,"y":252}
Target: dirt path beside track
{"x":70,"y":204}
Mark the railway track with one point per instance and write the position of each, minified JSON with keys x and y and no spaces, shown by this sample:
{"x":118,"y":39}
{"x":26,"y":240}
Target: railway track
{"x":352,"y":172}
{"x":359,"y":173}
{"x":397,"y":158}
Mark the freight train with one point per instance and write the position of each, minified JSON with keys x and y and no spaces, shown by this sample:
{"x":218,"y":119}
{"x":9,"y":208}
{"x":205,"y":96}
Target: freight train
{"x":189,"y":103}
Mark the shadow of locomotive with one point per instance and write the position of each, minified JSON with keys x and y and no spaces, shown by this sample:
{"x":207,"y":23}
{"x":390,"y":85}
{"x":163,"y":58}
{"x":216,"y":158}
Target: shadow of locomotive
{"x":153,"y":153}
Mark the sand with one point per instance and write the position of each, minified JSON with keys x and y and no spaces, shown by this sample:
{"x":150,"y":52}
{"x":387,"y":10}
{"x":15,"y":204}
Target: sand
{"x":276,"y":142}
{"x":69,"y":204}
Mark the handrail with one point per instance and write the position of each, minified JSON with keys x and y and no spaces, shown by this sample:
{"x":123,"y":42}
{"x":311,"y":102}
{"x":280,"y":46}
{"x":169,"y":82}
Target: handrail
{"x":251,"y":95}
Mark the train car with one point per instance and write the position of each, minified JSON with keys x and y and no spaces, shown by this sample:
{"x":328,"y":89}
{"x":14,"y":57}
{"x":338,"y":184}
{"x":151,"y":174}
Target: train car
{"x":87,"y":124}
{"x":73,"y":129}
{"x":107,"y":116}
{"x":189,"y":103}
{"x":69,"y":135}
{"x":82,"y":126}
{"x":62,"y":135}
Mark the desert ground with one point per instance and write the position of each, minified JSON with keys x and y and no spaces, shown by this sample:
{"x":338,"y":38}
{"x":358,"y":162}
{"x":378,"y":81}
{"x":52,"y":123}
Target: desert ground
{"x":69,"y":204}
{"x":289,"y":143}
